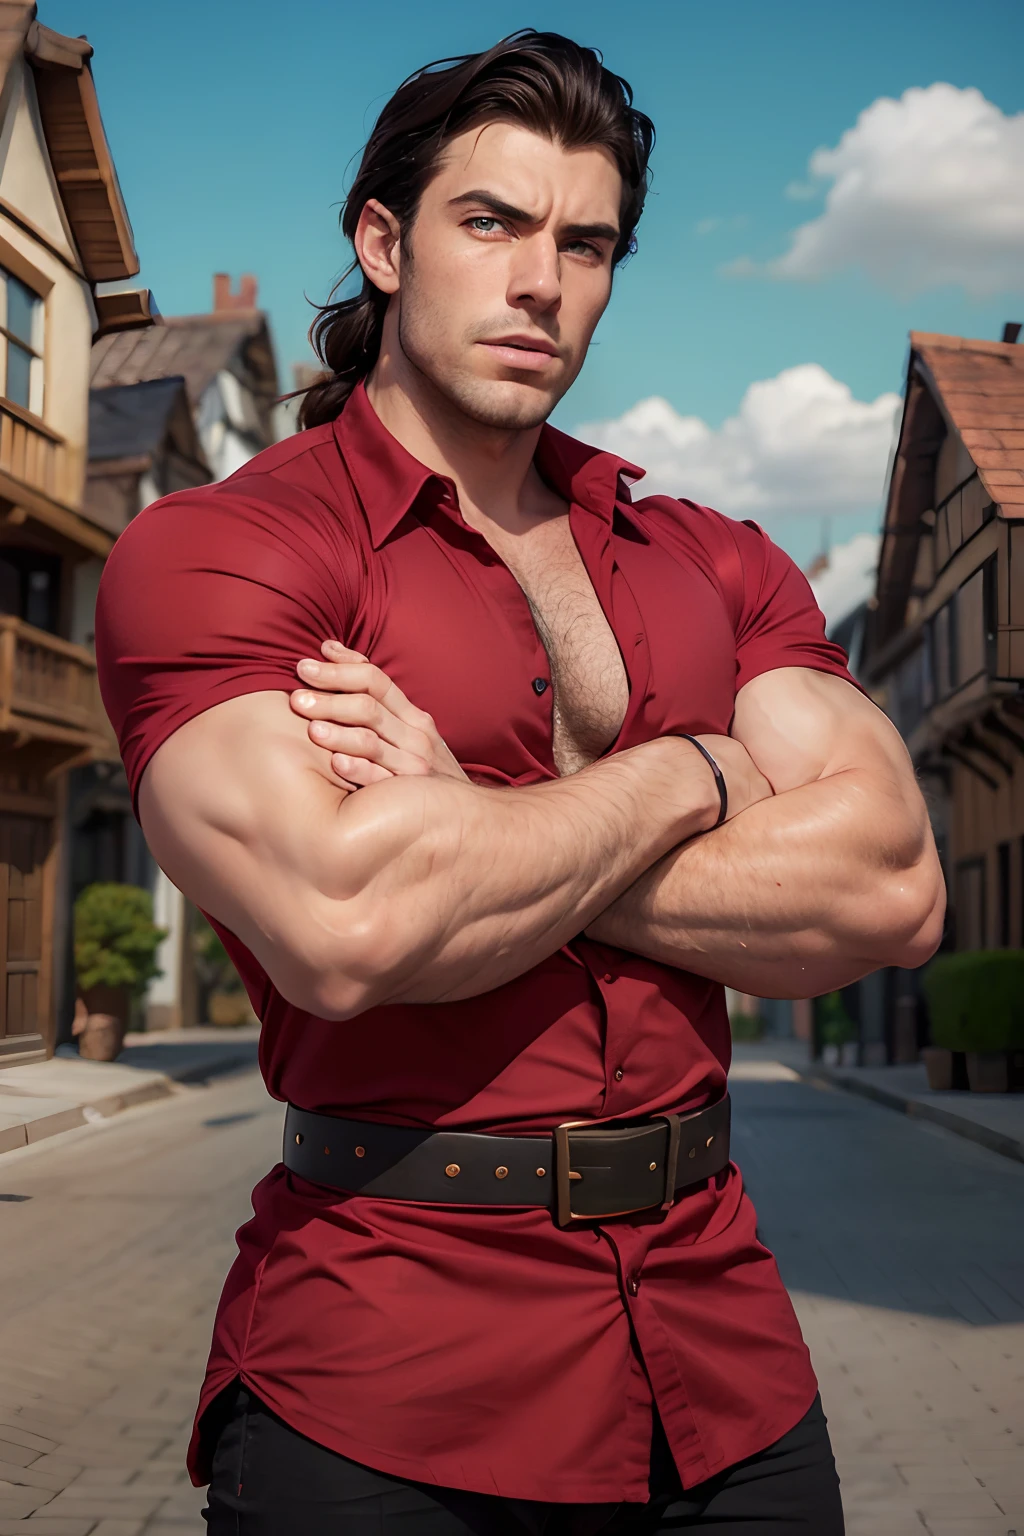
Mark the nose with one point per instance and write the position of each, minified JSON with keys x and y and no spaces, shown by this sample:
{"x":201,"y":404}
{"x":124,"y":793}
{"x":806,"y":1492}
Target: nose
{"x":535,"y":281}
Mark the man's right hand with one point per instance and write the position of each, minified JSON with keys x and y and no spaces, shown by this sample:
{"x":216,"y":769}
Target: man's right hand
{"x":373,"y":732}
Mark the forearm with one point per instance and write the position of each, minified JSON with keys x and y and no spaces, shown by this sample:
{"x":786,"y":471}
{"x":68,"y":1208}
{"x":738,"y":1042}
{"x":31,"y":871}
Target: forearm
{"x":799,"y":895}
{"x":450,"y":889}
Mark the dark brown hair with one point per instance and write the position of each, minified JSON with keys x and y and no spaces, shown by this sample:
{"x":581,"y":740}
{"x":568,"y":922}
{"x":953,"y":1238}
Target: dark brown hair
{"x":539,"y":80}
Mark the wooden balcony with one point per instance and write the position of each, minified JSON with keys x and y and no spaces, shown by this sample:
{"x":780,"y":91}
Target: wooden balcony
{"x":34,"y":455}
{"x":49,"y":692}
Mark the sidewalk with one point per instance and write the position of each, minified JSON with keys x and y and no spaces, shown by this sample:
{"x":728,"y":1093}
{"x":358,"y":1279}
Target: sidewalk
{"x":45,"y":1098}
{"x":993,"y":1120}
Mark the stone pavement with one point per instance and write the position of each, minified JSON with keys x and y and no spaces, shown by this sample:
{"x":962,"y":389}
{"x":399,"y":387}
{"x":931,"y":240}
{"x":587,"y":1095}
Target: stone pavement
{"x":903,"y":1246}
{"x":993,"y":1120}
{"x":114,"y":1241}
{"x":46,"y":1098}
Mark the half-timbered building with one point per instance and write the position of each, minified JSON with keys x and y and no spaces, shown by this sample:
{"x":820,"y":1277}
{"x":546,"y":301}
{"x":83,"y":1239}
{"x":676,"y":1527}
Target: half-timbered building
{"x":944,"y":643}
{"x":64,"y":234}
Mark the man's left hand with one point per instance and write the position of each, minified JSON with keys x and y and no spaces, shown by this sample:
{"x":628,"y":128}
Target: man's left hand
{"x":364,"y":720}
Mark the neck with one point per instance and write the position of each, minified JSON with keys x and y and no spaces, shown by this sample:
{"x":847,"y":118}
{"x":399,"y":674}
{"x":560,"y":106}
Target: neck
{"x":492,"y":467}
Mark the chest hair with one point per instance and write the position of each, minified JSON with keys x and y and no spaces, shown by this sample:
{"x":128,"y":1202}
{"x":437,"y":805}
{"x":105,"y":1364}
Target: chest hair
{"x":591,"y":690}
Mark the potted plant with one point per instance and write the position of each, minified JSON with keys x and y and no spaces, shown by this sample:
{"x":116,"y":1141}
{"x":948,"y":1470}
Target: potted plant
{"x":746,"y":1026}
{"x":976,"y":1003}
{"x":116,"y":942}
{"x":222,"y":998}
{"x":836,"y":1031}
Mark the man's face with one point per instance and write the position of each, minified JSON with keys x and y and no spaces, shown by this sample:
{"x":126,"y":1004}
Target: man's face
{"x":507,"y":271}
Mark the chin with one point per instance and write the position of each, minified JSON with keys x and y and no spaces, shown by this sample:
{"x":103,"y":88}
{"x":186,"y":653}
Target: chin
{"x":504,"y":404}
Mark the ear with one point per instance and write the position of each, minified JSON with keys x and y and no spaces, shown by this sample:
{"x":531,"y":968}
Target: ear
{"x":377,"y":242}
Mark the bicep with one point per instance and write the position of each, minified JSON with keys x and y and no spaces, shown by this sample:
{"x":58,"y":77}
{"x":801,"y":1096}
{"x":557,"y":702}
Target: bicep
{"x":239,"y":811}
{"x":800,"y":725}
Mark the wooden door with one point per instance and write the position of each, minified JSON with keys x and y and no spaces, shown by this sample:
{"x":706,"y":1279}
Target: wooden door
{"x":26,"y":960}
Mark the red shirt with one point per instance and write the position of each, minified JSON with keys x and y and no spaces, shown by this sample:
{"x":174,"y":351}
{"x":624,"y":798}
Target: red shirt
{"x":479,"y":1349}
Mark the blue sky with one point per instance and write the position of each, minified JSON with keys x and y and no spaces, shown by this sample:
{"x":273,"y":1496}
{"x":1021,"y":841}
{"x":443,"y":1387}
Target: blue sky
{"x":233,"y":127}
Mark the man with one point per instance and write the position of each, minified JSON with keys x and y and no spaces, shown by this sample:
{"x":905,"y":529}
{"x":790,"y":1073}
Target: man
{"x":482,"y":880}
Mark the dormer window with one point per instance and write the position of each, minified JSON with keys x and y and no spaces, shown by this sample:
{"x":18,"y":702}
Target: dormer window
{"x":21,"y":344}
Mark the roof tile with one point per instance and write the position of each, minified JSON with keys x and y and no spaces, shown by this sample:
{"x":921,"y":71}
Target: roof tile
{"x":196,"y":346}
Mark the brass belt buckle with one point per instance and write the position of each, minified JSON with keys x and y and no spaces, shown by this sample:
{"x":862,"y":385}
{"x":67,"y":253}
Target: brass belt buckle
{"x":566,"y":1176}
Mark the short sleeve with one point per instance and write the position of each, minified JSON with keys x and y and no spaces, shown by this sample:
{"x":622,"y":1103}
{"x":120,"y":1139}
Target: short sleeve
{"x":209,"y":594}
{"x":777,"y":621}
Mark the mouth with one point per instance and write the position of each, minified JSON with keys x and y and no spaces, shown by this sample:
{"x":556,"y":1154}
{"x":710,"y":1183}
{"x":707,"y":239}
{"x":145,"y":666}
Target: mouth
{"x":528,"y":353}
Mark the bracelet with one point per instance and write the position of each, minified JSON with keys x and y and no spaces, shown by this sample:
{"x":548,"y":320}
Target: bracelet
{"x":723,"y":793}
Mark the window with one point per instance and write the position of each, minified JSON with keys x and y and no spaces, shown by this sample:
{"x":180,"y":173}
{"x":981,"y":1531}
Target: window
{"x":971,"y":634}
{"x":1003,"y":867}
{"x":943,"y":651}
{"x":29,"y":587}
{"x":970,"y":904}
{"x":21,"y":344}
{"x":991,"y":615}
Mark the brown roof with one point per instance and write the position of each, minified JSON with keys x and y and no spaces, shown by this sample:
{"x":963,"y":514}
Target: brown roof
{"x":980,"y":385}
{"x":75,"y":140}
{"x":196,"y":346}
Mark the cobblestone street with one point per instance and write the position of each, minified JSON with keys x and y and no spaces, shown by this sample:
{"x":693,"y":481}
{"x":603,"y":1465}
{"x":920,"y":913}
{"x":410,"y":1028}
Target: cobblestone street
{"x":903,"y":1246}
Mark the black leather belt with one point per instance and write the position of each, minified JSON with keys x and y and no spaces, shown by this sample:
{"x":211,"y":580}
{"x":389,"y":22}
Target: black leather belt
{"x":583,"y":1171}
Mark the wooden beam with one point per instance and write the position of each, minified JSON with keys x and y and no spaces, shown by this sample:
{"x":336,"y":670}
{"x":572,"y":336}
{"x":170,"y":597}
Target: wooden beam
{"x":56,"y":515}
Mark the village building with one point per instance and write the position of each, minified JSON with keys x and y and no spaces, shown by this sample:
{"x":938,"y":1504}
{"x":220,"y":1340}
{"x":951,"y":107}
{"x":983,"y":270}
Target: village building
{"x":190,"y":400}
{"x":943,"y":649}
{"x":65,"y":240}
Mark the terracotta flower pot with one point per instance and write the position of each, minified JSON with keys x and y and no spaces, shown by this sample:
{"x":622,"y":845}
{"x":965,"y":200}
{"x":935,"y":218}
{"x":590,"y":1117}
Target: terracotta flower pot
{"x":988,"y":1071}
{"x":229,"y":1009}
{"x":101,"y":1022}
{"x":938,"y":1064}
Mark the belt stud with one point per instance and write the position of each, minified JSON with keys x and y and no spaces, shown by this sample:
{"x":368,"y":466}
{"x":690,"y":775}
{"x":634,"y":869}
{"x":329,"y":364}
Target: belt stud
{"x":453,"y":1170}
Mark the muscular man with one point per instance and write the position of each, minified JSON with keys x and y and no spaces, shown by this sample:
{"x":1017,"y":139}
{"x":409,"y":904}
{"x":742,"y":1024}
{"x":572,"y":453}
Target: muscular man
{"x":572,"y":763}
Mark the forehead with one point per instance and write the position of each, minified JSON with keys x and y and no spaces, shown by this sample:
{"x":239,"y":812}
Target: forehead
{"x":531,"y":172}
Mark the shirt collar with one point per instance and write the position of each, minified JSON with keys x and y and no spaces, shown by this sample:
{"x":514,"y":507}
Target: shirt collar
{"x":389,"y":481}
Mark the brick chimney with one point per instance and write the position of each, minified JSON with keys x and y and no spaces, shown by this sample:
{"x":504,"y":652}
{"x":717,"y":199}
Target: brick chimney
{"x":224,"y":299}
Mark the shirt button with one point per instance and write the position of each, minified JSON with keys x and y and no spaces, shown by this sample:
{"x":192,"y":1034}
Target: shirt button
{"x":633,"y":1283}
{"x":540,"y":685}
{"x":608,"y":976}
{"x":619,"y":1074}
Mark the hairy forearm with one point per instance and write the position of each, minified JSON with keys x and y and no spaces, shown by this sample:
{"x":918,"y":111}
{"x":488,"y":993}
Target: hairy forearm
{"x":800,"y":894}
{"x":449,"y":889}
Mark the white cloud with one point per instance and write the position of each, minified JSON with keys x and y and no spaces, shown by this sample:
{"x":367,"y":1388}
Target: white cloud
{"x":849,"y":578}
{"x":925,"y":191}
{"x":711,"y":225}
{"x":799,"y":443}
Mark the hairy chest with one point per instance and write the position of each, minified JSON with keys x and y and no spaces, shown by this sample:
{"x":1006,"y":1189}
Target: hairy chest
{"x":537,"y":659}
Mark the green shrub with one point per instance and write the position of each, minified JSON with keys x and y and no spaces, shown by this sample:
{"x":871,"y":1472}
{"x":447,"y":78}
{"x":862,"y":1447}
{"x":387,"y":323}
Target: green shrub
{"x":835,"y":1027}
{"x":116,"y":939}
{"x":976,"y":1000}
{"x":213,"y":963}
{"x":746,"y":1026}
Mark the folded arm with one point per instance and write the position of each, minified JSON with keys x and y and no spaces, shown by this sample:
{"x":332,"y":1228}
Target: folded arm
{"x":417,"y":888}
{"x":833,"y":876}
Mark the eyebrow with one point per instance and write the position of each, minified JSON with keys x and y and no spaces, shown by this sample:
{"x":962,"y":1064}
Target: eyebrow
{"x":520,"y":216}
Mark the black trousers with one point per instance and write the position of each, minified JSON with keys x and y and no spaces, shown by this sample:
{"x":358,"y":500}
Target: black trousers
{"x":270,"y":1481}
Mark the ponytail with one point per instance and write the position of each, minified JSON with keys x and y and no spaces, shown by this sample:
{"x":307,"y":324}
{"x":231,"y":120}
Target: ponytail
{"x":346,"y":337}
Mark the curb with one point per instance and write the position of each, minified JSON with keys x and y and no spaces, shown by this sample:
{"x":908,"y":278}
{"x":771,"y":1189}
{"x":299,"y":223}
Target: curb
{"x":72,"y":1116}
{"x":918,"y":1109}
